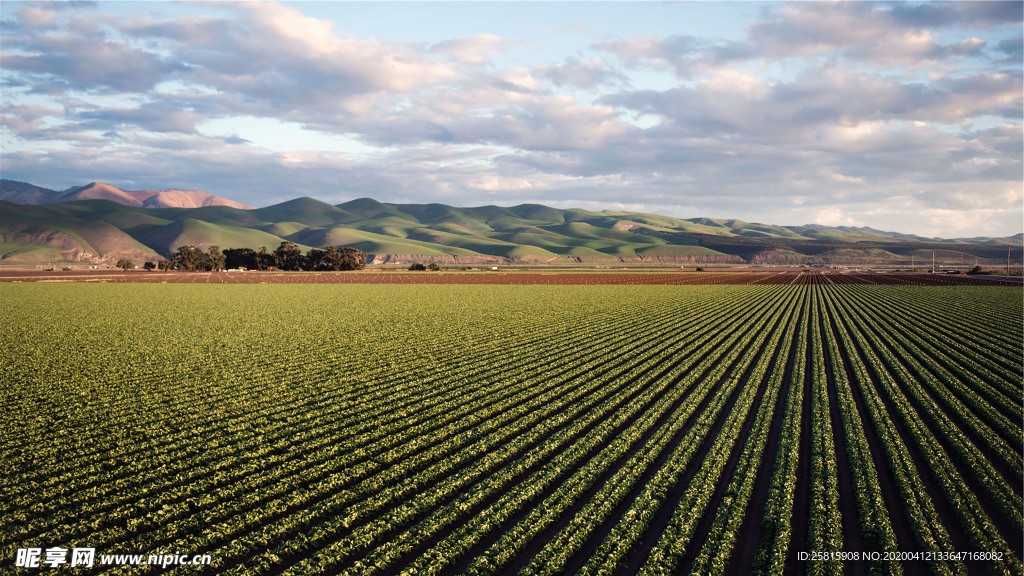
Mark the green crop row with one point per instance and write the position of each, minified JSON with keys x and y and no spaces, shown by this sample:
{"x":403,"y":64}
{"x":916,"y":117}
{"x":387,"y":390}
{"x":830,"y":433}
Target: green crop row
{"x":363,"y":429}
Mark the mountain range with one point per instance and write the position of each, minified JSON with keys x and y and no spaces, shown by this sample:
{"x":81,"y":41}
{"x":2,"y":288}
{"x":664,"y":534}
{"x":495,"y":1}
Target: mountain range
{"x":99,"y":223}
{"x":25,"y":193}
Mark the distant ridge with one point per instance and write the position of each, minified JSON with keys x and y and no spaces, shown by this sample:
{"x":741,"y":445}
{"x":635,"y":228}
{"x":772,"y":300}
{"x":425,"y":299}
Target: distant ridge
{"x":105,"y":223}
{"x":25,"y":193}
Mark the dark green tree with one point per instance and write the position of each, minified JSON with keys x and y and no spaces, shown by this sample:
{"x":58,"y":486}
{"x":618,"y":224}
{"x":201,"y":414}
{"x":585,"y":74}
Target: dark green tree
{"x":335,"y":259}
{"x":149,"y":265}
{"x":241,"y":258}
{"x":316,"y":259}
{"x":125,"y":264}
{"x":188,"y":258}
{"x":351,"y":258}
{"x":288,"y":256}
{"x":215,"y":258}
{"x":417,"y":266}
{"x":264,"y":260}
{"x":434,"y":266}
{"x":344,"y":258}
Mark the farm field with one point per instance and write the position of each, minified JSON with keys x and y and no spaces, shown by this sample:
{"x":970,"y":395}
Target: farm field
{"x":625,"y":277}
{"x":500,"y":429}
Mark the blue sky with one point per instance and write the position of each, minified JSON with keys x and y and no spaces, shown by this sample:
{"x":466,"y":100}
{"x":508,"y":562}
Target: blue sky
{"x":901,"y":116}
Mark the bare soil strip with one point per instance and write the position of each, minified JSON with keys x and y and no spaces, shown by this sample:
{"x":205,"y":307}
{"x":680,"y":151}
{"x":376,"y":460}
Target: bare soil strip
{"x":852,"y":539}
{"x":499,"y":530}
{"x":890,"y":493}
{"x":546,"y":535}
{"x":1007,"y":528}
{"x":593,"y":401}
{"x":958,"y":533}
{"x":751,"y":533}
{"x":529,"y":277}
{"x":802,"y":492}
{"x":704,"y":524}
{"x":638,"y":555}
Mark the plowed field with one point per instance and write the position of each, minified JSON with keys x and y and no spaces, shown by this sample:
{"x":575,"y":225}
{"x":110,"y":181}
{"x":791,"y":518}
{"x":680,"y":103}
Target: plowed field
{"x":621,"y":278}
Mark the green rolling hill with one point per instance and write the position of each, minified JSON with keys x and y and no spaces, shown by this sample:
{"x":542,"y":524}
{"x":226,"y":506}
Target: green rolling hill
{"x":101,"y":231}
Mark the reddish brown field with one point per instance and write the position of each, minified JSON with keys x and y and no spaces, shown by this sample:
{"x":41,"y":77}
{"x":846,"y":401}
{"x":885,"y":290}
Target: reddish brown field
{"x":790,"y":277}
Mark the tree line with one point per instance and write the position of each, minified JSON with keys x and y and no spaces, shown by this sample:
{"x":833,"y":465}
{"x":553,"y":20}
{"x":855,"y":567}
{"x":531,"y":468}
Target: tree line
{"x":287,"y":256}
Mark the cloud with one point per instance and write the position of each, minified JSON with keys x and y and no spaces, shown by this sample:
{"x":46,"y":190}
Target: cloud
{"x":1013,"y":48}
{"x":545,"y":124}
{"x":860,"y":30}
{"x":87,"y":63}
{"x":969,"y":14}
{"x":286,"y":29}
{"x":888,"y":35}
{"x":154,"y":117}
{"x":839,"y":113}
{"x":587,"y":74}
{"x":732,"y":101}
{"x":189,"y":31}
{"x":524,"y":120}
{"x":682,"y":53}
{"x":278,"y":58}
{"x":472,"y":50}
{"x":35,"y":17}
{"x":833,"y":217}
{"x":305,"y":49}
{"x":26,"y":121}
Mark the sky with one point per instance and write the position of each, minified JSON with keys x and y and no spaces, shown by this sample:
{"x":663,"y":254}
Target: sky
{"x":898,"y":116}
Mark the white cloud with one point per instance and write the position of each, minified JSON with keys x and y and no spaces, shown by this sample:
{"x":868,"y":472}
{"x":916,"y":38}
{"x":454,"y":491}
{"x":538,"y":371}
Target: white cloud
{"x":960,"y":223}
{"x":732,"y":83}
{"x":36,"y":18}
{"x":280,"y":27}
{"x":833,"y":217}
{"x":587,"y":74}
{"x":855,"y":113}
{"x":473,"y":50}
